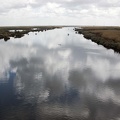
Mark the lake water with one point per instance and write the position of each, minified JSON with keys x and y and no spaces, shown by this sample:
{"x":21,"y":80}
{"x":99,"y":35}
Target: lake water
{"x":58,"y":75}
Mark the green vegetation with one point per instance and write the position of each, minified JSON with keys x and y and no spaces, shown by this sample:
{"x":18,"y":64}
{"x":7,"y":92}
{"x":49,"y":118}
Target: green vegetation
{"x":109,"y":37}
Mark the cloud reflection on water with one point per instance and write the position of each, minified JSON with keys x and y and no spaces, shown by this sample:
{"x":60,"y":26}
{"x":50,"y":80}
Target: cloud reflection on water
{"x":77,"y":79}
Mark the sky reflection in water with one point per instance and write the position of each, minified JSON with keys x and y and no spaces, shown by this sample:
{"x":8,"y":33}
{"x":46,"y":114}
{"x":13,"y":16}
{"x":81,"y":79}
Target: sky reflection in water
{"x":53,"y":75}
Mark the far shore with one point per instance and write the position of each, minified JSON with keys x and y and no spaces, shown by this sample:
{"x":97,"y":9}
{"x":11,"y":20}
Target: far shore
{"x":19,"y":31}
{"x":109,"y":37}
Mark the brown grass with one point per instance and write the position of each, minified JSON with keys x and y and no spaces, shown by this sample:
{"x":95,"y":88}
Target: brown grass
{"x":108,"y":34}
{"x":6,"y":34}
{"x":109,"y":37}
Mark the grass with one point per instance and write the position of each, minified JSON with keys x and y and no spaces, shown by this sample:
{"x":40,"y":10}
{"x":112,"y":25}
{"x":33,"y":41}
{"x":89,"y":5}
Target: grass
{"x":109,"y":37}
{"x":108,"y":34}
{"x":5,"y":32}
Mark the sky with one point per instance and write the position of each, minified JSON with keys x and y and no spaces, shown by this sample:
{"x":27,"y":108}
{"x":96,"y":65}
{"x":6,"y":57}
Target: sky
{"x":59,"y":12}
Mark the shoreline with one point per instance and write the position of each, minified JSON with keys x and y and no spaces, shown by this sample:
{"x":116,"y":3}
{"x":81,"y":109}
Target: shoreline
{"x":18,"y":32}
{"x":109,"y":37}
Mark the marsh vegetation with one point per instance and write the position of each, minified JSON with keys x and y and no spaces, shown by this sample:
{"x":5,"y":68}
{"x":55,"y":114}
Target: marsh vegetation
{"x":18,"y":32}
{"x":109,"y":37}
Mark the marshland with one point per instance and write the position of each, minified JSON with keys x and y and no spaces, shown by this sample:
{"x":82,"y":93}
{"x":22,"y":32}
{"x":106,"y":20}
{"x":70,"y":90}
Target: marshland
{"x":20,"y":31}
{"x":54,"y":73}
{"x":109,"y":37}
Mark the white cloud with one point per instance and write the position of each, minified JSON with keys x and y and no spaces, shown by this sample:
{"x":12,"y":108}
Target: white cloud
{"x":44,"y":12}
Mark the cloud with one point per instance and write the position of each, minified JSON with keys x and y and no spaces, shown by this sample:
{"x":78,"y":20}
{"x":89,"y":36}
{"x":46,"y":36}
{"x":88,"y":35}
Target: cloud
{"x":59,"y":11}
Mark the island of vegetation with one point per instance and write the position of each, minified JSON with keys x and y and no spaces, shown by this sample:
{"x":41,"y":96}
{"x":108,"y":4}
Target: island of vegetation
{"x":109,"y":37}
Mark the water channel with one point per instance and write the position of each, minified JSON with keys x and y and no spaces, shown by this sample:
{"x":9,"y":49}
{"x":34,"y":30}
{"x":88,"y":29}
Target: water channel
{"x":58,"y":75}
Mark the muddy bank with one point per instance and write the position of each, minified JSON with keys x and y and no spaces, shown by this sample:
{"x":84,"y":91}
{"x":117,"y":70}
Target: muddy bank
{"x":109,"y":37}
{"x":18,"y":32}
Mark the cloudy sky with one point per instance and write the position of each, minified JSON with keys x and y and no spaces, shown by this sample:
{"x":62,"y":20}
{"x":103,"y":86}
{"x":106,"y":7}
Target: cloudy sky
{"x":59,"y":12}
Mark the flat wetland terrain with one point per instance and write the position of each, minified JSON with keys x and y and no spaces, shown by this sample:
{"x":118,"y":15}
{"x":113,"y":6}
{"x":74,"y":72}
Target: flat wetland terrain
{"x":20,"y":31}
{"x":109,"y":37}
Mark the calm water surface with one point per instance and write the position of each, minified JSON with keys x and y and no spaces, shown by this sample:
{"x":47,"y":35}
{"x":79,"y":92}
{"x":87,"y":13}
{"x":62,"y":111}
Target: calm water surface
{"x":58,"y":75}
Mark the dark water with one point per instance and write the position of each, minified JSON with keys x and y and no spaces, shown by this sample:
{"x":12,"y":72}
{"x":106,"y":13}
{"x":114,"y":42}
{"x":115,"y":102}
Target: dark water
{"x":58,"y":75}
